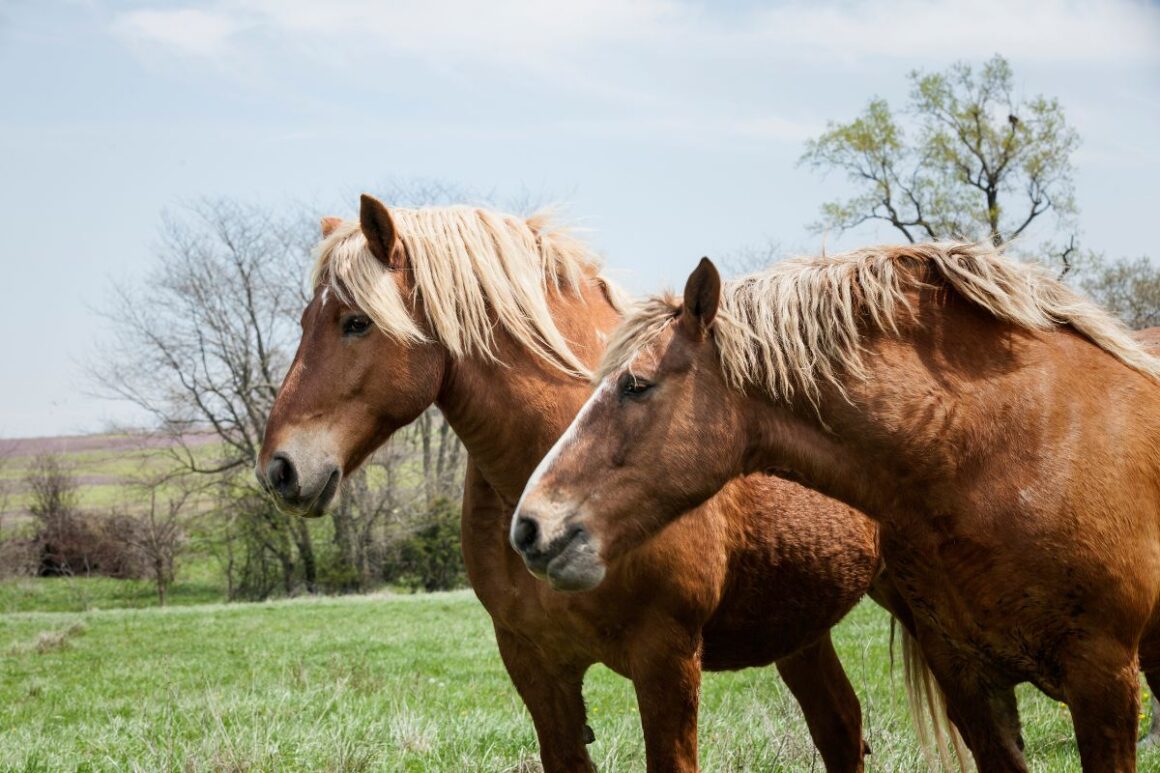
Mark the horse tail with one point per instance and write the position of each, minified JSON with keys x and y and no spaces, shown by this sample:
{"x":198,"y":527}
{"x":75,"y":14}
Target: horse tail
{"x":937,"y":735}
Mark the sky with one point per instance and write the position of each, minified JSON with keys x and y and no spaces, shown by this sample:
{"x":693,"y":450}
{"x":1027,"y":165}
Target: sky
{"x":667,"y":129}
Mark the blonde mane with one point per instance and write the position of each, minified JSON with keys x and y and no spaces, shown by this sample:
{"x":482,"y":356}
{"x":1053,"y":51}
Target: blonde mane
{"x":471,"y":269}
{"x":796,"y":325}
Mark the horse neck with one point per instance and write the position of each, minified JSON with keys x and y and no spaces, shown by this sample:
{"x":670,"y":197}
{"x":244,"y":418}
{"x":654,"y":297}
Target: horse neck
{"x":955,"y":387}
{"x":509,"y":413}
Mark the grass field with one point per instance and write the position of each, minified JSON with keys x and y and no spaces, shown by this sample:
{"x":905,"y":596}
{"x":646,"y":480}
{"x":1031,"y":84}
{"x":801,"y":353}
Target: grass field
{"x":407,"y":683}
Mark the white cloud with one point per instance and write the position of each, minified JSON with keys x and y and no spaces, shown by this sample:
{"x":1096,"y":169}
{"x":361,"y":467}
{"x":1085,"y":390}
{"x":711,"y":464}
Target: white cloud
{"x":187,"y":31}
{"x":535,"y":32}
{"x":1054,"y":31}
{"x":463,"y":30}
{"x":686,"y":70}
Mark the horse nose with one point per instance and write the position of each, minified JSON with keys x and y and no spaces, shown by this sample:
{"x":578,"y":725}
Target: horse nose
{"x":525,"y":532}
{"x":281,"y":477}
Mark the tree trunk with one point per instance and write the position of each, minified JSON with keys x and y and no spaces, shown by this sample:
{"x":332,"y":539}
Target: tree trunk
{"x":306,"y":553}
{"x":424,"y":427}
{"x":344,"y":540}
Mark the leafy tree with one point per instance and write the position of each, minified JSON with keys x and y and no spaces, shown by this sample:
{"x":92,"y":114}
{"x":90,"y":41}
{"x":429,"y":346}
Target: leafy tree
{"x":970,"y":160}
{"x":1129,"y":288}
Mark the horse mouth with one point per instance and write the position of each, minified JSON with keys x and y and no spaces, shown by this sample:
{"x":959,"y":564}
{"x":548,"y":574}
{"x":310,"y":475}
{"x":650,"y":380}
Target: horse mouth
{"x":310,"y":508}
{"x":575,"y":567}
{"x":317,"y":508}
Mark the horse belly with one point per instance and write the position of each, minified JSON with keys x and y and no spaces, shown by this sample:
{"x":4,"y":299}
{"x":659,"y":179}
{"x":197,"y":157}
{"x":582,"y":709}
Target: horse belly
{"x":1014,"y":612}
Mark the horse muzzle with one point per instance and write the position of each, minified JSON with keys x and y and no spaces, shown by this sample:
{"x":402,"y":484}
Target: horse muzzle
{"x":305,"y":491}
{"x":569,"y":561}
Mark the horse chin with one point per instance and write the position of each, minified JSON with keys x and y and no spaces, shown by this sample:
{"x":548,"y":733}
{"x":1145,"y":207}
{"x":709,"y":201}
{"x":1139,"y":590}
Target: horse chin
{"x":577,"y":568}
{"x":317,"y":506}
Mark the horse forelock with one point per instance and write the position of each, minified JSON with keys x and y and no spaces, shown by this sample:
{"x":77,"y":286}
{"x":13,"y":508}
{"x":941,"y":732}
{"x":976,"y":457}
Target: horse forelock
{"x":471,"y":269}
{"x":643,"y":323}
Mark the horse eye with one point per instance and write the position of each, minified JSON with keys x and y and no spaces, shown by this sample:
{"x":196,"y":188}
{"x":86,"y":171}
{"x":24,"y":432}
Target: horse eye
{"x":355,"y":325}
{"x":634,"y":387}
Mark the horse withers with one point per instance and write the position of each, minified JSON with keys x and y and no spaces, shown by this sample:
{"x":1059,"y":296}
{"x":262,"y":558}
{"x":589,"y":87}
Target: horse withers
{"x":1003,"y":431}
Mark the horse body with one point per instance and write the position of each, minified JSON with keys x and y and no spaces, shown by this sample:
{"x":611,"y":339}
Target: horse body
{"x":696,"y":596}
{"x":1012,"y":463}
{"x":1018,"y":489}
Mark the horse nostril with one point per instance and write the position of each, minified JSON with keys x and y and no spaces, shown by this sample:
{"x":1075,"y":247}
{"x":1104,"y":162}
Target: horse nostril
{"x":524,"y":534}
{"x":281,"y":476}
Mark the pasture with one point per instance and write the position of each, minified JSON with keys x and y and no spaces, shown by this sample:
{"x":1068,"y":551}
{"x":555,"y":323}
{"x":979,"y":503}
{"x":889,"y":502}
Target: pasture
{"x":382,"y":682}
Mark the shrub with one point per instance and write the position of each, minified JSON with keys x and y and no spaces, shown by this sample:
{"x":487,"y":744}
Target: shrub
{"x":431,"y":558}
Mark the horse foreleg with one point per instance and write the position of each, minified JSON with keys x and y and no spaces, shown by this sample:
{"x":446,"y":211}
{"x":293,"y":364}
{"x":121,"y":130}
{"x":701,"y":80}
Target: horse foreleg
{"x":668,"y":686}
{"x":815,"y":677}
{"x":1102,"y":688}
{"x":553,"y":693}
{"x":985,"y":713}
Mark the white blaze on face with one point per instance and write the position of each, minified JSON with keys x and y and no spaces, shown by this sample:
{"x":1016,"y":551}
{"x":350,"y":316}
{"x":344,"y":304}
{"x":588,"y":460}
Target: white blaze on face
{"x":552,"y":513}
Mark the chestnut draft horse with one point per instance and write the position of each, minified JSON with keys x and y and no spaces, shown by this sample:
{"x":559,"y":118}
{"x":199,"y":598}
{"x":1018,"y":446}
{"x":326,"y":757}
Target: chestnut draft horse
{"x":497,"y":320}
{"x":1003,"y":431}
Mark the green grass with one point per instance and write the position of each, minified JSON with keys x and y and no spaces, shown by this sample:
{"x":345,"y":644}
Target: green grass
{"x":82,"y":594}
{"x":386,"y":683}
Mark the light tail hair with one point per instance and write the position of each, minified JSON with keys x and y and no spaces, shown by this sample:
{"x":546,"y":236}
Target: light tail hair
{"x":941,"y":745}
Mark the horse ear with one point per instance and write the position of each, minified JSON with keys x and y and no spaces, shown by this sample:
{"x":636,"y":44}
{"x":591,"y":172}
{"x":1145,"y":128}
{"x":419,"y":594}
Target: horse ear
{"x":329,"y":224}
{"x":379,"y":230}
{"x":702,"y":297}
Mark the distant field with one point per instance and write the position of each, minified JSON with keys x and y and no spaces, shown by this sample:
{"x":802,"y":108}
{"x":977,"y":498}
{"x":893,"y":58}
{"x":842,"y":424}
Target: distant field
{"x":397,"y":683}
{"x":105,"y":467}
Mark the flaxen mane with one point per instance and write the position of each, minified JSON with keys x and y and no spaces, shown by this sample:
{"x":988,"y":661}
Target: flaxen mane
{"x":471,"y":268}
{"x":795,"y":325}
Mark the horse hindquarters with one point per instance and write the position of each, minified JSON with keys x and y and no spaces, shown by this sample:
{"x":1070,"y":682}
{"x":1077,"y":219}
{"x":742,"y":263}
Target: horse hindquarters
{"x":815,"y":677}
{"x":799,"y":563}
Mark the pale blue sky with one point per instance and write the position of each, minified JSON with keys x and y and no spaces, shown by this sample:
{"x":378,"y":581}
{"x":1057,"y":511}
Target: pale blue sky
{"x":671,"y":129}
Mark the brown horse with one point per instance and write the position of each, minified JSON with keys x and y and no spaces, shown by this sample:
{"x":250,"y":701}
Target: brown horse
{"x":1004,"y":432}
{"x":497,"y":321}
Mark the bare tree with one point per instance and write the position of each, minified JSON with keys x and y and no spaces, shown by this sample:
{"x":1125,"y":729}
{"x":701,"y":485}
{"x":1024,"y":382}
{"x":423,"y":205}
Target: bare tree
{"x":202,"y":344}
{"x":17,"y":556}
{"x":6,"y":451}
{"x":157,"y":537}
{"x":752,"y":258}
